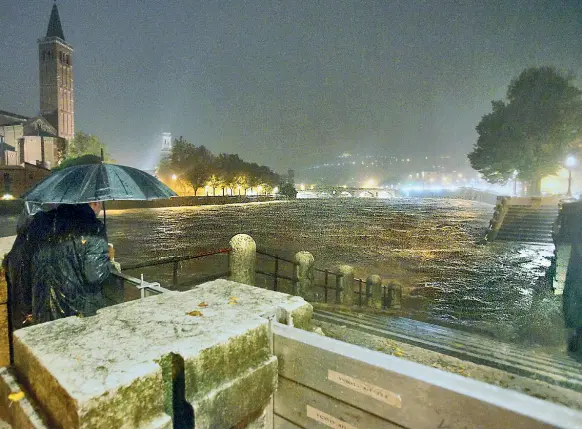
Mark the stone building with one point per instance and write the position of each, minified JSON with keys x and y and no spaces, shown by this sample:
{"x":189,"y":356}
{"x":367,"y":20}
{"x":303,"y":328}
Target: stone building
{"x":33,"y":140}
{"x":39,"y":139}
{"x":55,"y":58}
{"x":16,"y":179}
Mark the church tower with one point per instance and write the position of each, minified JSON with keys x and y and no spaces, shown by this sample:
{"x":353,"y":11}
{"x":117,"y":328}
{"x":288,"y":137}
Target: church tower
{"x":56,"y":78}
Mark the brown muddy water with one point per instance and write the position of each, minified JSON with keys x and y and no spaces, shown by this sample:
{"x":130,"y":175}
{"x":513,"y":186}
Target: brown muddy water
{"x":428,"y":245}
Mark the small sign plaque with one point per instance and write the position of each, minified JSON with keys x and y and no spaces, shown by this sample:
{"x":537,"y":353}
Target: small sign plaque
{"x":368,"y":389}
{"x":326,"y":419}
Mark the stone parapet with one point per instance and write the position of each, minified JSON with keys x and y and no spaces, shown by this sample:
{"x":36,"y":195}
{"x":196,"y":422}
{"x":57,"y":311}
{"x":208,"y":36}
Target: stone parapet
{"x":116,"y":369}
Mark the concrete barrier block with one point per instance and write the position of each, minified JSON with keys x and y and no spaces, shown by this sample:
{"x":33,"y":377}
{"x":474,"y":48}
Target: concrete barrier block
{"x":105,"y":371}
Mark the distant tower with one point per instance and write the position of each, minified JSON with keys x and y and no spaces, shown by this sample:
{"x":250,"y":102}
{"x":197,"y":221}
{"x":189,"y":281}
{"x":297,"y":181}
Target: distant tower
{"x":56,"y":78}
{"x":166,"y":145}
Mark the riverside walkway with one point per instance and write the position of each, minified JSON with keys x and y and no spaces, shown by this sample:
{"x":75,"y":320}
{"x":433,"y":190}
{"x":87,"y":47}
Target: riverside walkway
{"x":552,"y":368}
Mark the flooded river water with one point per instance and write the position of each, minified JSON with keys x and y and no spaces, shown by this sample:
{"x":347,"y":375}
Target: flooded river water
{"x":428,"y":245}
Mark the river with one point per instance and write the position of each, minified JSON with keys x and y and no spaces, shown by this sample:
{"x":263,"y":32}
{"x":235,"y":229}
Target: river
{"x":428,"y":245}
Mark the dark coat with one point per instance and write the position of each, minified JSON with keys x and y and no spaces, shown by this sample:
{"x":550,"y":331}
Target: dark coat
{"x":573,"y":286}
{"x":58,"y":264}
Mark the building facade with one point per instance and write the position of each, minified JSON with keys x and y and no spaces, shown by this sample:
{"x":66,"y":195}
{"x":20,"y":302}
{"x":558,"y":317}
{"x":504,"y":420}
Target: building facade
{"x":55,"y":59}
{"x":31,"y":146}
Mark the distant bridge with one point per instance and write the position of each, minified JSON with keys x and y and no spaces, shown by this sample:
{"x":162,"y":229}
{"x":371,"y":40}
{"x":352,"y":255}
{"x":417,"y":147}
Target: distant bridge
{"x":346,"y":192}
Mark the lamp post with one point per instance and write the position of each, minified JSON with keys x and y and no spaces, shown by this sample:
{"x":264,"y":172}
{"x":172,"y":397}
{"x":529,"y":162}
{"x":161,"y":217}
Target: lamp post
{"x":570,"y":163}
{"x":515,"y":183}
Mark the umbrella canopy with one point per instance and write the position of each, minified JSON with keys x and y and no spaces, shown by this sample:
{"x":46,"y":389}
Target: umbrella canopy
{"x":97,"y":182}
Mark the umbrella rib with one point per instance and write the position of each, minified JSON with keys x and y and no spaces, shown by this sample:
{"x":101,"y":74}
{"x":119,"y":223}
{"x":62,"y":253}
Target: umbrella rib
{"x":67,"y":188}
{"x":121,"y":181}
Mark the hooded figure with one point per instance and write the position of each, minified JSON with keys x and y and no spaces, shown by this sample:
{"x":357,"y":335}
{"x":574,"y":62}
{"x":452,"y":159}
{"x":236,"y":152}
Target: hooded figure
{"x":58,"y":264}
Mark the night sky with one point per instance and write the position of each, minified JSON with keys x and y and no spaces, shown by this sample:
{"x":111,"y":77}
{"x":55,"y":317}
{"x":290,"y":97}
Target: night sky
{"x":287,"y":83}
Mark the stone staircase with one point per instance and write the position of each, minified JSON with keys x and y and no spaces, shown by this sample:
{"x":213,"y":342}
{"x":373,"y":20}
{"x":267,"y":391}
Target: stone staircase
{"x":527,"y":223}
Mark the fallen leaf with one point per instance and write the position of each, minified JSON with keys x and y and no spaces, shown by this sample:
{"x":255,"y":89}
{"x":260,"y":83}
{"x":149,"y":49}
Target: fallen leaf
{"x":16,"y":396}
{"x":202,"y":304}
{"x":233,"y":300}
{"x":398,"y":353}
{"x":195,"y":313}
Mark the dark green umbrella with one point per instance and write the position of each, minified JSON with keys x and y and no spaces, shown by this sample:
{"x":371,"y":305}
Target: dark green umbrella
{"x":97,"y":182}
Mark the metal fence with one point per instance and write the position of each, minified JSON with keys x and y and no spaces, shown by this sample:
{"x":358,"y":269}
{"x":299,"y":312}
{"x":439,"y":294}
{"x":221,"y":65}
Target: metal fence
{"x":280,"y":274}
{"x":274,"y":272}
{"x":183,"y":272}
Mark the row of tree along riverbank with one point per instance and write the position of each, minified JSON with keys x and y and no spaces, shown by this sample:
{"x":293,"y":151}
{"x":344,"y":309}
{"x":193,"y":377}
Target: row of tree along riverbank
{"x":15,"y":207}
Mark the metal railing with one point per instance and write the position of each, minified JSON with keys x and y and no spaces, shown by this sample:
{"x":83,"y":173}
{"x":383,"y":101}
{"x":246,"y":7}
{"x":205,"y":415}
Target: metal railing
{"x":176,"y":262}
{"x":327,"y":280}
{"x":326,"y":283}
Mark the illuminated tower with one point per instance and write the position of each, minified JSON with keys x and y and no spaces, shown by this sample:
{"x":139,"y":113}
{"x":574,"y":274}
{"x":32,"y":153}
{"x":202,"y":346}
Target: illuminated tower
{"x":56,"y":78}
{"x":166,"y":145}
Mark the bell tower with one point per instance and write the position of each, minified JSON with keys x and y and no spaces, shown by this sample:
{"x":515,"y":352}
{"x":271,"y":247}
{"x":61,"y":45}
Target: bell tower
{"x":55,"y":58}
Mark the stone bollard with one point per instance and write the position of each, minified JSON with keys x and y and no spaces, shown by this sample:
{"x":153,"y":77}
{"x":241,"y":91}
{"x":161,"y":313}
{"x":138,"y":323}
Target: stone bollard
{"x":305,"y":275}
{"x":242,"y":259}
{"x":393,"y":295}
{"x":345,"y":285}
{"x":374,"y":291}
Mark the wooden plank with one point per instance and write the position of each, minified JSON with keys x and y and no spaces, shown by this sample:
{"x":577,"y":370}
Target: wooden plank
{"x":428,"y":398}
{"x":281,"y":423}
{"x":311,"y":409}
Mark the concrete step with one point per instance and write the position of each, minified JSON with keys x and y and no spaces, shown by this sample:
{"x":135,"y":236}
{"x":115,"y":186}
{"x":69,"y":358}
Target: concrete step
{"x":527,"y":227}
{"x":553,"y":368}
{"x":525,"y":240}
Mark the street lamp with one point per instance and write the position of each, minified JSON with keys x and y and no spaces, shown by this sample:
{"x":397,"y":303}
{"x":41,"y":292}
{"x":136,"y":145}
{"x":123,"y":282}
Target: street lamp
{"x":515,"y":183}
{"x":570,"y":163}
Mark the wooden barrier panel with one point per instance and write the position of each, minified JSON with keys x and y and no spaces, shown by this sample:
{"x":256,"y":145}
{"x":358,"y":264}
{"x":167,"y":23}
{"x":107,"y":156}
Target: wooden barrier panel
{"x":328,"y":383}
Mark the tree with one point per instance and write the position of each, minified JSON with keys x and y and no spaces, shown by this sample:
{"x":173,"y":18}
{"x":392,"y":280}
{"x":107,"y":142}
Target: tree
{"x":81,"y":160}
{"x":288,"y":190}
{"x":86,"y":144}
{"x":191,"y":163}
{"x":532,"y":131}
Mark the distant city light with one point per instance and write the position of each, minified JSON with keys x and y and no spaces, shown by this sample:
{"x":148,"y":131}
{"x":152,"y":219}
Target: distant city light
{"x":7,"y":197}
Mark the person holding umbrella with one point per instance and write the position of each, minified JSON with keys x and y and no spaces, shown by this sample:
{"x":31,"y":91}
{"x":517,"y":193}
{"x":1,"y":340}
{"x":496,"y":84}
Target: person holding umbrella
{"x":59,"y":262}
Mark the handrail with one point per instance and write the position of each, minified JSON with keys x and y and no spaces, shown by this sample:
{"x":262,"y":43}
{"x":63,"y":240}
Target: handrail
{"x":174,"y":259}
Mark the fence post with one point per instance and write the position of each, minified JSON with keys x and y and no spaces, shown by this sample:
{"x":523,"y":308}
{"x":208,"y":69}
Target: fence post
{"x":374,"y":291}
{"x":175,"y":273}
{"x":276,"y":274}
{"x":394,"y":295}
{"x":345,"y":282}
{"x":242,"y":259}
{"x":326,"y":284}
{"x":303,"y":285}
